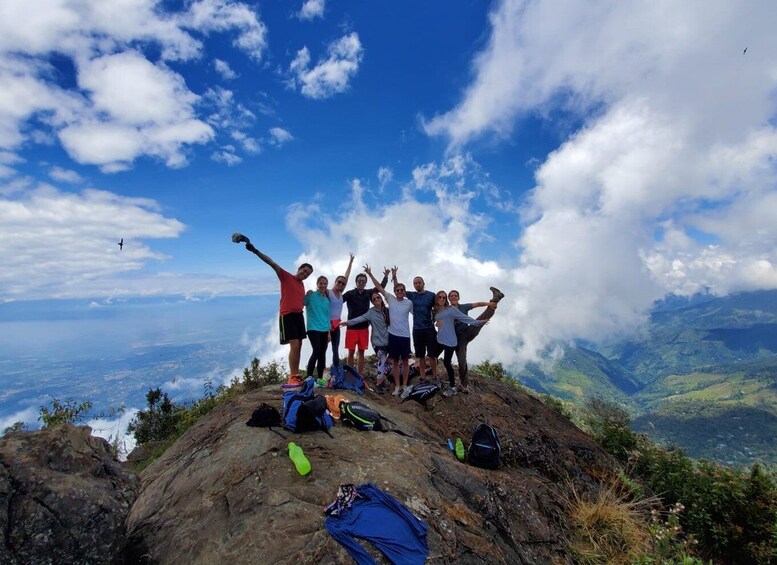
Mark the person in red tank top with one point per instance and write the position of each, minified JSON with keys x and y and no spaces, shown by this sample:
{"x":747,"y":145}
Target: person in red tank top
{"x":291,"y":321}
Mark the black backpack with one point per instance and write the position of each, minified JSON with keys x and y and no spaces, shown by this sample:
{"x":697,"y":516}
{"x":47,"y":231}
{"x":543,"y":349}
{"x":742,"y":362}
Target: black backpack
{"x":265,"y":416}
{"x":422,"y":392}
{"x":484,"y":450}
{"x":313,"y":415}
{"x":360,"y":416}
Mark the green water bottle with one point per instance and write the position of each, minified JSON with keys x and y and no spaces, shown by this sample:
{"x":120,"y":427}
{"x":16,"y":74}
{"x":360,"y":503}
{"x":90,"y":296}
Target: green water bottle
{"x":300,"y":461}
{"x":460,"y":454}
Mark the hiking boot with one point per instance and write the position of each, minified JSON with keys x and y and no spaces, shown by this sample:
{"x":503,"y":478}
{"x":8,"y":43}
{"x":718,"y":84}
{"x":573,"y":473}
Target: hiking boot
{"x":449,"y":392}
{"x":293,"y":382}
{"x":498,"y":294}
{"x":397,"y":391}
{"x":406,"y":392}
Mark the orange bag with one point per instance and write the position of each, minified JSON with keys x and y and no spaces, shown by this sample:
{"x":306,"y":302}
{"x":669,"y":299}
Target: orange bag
{"x":333,"y":404}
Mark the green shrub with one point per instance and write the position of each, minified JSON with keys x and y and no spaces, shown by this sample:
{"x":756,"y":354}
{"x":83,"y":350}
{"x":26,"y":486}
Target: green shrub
{"x":15,"y":427}
{"x":258,"y":376}
{"x":609,"y":424}
{"x":732,"y":514}
{"x":158,"y":422}
{"x":67,"y":412}
{"x":491,"y":370}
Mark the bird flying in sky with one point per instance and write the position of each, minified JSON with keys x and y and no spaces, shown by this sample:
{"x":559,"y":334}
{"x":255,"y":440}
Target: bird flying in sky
{"x":121,"y":244}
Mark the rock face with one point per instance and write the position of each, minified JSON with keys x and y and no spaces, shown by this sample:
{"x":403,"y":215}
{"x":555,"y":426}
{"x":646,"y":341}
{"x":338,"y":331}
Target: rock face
{"x":228,"y":493}
{"x":64,"y":498}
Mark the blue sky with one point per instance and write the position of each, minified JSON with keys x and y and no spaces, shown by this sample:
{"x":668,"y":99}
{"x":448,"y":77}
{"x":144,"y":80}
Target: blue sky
{"x":587,"y":158}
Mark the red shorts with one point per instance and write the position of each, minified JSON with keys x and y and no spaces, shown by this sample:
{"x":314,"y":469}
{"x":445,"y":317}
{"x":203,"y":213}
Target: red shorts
{"x":357,"y":338}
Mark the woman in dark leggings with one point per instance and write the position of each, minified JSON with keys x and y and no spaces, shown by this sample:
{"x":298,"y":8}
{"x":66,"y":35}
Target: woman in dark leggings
{"x":465,"y":333}
{"x":317,"y":318}
{"x":444,"y":316}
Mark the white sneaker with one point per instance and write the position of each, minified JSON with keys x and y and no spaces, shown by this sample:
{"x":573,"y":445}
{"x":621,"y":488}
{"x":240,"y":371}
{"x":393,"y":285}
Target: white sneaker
{"x":449,"y":392}
{"x":397,"y":391}
{"x":407,"y":391}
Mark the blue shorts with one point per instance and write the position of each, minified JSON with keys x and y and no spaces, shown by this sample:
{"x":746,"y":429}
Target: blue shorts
{"x":398,"y":347}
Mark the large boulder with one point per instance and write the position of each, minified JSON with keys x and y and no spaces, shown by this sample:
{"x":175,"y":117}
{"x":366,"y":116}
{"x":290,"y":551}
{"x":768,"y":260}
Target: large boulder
{"x":228,"y":493}
{"x":64,"y":498}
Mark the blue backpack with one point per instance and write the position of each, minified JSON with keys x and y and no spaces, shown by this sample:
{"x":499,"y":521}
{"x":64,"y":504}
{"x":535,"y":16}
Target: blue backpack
{"x":346,"y":377}
{"x":305,"y":412}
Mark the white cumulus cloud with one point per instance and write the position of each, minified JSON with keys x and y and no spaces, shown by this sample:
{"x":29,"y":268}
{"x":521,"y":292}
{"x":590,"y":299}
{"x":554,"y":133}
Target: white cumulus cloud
{"x":312,"y":9}
{"x":332,"y":74}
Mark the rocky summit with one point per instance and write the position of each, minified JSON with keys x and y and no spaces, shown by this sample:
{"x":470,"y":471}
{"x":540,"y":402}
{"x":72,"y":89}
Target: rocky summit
{"x":64,"y":498}
{"x":228,"y":493}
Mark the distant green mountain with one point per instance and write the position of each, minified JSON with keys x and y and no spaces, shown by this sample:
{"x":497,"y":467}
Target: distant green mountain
{"x":722,"y":331}
{"x":581,"y":373}
{"x":702,"y":374}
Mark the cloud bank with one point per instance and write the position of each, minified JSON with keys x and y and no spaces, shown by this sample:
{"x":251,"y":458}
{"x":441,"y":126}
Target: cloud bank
{"x":668,"y":185}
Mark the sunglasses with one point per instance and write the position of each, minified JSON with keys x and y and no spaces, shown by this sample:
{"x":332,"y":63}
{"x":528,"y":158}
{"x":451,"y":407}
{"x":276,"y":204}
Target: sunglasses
{"x":441,"y":296}
{"x":339,"y":282}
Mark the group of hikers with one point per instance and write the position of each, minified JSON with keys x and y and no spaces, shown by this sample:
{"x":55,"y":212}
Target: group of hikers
{"x":440,"y":324}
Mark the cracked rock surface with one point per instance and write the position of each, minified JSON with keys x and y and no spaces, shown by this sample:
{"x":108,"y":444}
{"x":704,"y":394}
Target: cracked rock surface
{"x":228,"y":493}
{"x":64,"y":499}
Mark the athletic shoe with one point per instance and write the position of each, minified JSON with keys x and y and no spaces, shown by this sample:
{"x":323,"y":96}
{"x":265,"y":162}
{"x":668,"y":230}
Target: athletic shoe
{"x":449,"y":392}
{"x":397,"y":391}
{"x":498,"y":294}
{"x":293,"y":382}
{"x":407,"y":391}
{"x":322,"y":383}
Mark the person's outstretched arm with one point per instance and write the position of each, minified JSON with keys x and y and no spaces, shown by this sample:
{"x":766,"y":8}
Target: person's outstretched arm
{"x":384,"y":280}
{"x":378,"y":286}
{"x":263,"y":257}
{"x":483,"y":304}
{"x":347,"y":274}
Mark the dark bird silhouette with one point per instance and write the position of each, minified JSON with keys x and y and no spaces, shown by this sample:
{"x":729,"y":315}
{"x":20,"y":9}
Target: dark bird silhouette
{"x":745,"y":51}
{"x":121,"y":244}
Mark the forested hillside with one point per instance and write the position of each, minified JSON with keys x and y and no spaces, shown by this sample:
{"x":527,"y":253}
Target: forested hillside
{"x":702,"y":374}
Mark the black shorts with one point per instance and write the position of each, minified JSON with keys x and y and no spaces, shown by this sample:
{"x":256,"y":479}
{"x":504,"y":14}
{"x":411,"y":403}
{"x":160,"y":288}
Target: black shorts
{"x":292,"y":326}
{"x":434,"y":349}
{"x":424,"y":340}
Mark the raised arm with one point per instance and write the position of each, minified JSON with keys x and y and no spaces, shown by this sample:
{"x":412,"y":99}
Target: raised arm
{"x":263,"y":257}
{"x":384,"y":280}
{"x":347,"y":274}
{"x":378,"y":286}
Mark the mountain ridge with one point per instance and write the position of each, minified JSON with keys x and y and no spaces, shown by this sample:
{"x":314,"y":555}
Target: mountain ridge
{"x":720,"y":354}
